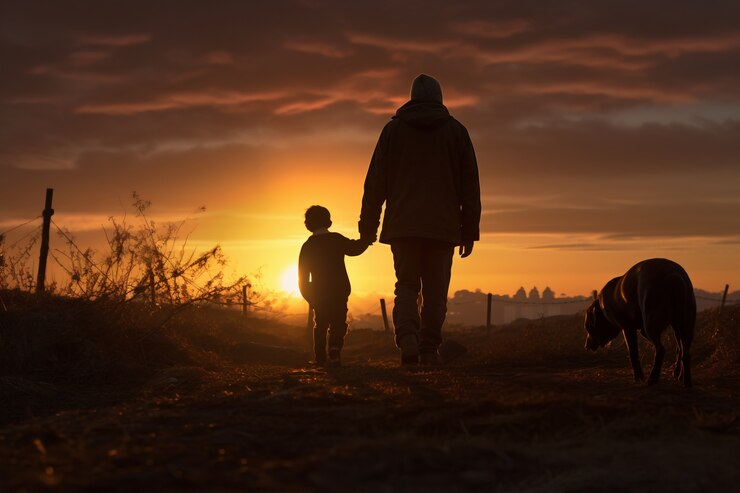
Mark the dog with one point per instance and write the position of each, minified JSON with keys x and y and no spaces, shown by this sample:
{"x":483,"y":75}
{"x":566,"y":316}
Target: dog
{"x":650,"y":296}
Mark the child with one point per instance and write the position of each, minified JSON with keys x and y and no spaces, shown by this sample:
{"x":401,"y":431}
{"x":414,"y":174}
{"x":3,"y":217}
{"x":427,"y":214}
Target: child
{"x":323,"y":281}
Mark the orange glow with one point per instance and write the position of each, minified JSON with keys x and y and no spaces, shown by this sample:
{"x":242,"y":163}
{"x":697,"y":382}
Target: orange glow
{"x":598,"y":145}
{"x":289,"y":281}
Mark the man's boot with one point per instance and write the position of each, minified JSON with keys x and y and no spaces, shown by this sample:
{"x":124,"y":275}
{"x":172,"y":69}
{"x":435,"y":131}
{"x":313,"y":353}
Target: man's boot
{"x":429,"y":358}
{"x":409,"y":346}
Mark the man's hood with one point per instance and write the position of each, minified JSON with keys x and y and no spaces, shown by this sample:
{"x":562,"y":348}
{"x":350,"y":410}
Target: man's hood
{"x":423,"y":114}
{"x":426,"y":88}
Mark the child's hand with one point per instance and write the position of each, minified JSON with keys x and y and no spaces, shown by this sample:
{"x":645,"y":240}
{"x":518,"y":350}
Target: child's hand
{"x":369,"y":239}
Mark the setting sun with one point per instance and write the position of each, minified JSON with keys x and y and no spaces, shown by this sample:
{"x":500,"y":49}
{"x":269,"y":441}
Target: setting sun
{"x":289,"y":281}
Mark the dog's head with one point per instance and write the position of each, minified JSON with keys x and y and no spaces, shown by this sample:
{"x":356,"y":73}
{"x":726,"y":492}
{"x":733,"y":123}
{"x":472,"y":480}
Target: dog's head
{"x":599,"y":330}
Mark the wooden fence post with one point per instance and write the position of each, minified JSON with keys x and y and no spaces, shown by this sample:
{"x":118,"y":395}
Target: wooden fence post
{"x":245,"y":299}
{"x":44,"y":251}
{"x":385,"y":315}
{"x":488,"y":316}
{"x":719,"y":312}
{"x":724,"y":298}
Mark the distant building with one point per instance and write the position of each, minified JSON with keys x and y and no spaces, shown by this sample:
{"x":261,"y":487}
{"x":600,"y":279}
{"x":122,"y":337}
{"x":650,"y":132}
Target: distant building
{"x":468,"y":308}
{"x":520,"y":294}
{"x":548,"y":294}
{"x":534,"y":294}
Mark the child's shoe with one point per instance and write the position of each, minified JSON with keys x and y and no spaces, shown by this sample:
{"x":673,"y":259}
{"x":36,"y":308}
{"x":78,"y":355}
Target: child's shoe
{"x":429,"y":358}
{"x":319,"y":360}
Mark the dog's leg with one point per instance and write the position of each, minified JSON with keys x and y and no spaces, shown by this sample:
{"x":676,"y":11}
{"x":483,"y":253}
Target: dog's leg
{"x":683,"y":340}
{"x":686,"y":365}
{"x":630,"y":337}
{"x":653,"y":328}
{"x":685,"y":375}
{"x":683,"y":357}
{"x":678,"y":369}
{"x":658,"y":363}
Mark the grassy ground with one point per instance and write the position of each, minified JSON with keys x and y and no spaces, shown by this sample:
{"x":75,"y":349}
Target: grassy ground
{"x":210,"y":403}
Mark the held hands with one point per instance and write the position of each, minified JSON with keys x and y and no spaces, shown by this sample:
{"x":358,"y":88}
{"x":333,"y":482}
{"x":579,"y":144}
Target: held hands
{"x":368,"y":239}
{"x":466,"y":249}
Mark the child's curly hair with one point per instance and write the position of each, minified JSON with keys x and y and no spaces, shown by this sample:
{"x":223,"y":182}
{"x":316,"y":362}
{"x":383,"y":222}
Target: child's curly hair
{"x":317,"y":217}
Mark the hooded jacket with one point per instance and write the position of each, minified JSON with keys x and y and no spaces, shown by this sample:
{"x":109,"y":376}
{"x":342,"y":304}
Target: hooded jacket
{"x":424,"y":169}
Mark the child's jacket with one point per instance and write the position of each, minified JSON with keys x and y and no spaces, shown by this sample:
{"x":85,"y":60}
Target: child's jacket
{"x":322,"y":275}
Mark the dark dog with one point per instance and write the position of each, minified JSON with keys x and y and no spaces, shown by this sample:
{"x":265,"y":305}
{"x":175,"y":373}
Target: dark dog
{"x":653,"y":294}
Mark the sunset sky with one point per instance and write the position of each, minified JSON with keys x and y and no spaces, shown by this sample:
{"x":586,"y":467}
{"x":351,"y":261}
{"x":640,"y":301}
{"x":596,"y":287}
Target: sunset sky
{"x":606,"y":132}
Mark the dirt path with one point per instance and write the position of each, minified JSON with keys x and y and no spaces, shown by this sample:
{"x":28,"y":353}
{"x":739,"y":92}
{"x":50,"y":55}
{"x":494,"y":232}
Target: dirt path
{"x":370,"y":426}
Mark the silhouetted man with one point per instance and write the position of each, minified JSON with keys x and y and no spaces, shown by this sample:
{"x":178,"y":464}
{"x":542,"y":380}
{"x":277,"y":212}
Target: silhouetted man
{"x":424,"y":169}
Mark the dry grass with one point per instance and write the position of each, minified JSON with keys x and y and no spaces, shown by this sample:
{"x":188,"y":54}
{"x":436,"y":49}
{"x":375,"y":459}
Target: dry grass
{"x":211,"y":403}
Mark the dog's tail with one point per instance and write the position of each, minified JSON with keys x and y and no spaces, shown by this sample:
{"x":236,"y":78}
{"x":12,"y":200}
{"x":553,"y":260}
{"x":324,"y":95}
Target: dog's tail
{"x":683,"y":323}
{"x":683,"y":318}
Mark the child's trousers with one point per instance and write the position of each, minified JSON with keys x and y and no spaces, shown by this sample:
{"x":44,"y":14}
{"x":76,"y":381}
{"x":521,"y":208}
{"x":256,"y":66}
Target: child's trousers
{"x":329,"y":316}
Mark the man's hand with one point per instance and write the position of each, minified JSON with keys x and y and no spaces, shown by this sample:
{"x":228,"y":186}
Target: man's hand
{"x":368,"y":238}
{"x":466,"y":249}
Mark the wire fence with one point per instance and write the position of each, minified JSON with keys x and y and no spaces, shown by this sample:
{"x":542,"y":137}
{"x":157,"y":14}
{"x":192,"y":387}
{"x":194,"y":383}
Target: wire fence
{"x":717,"y":300}
{"x":254,"y":306}
{"x":72,"y":243}
{"x":85,"y":255}
{"x":26,"y":235}
{"x":522,"y":302}
{"x":566,"y":302}
{"x":130,"y":291}
{"x":7,"y":231}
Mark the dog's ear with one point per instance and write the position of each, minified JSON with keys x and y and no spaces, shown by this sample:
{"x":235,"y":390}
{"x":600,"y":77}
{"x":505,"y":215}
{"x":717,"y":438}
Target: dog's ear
{"x":592,"y":308}
{"x":590,"y":319}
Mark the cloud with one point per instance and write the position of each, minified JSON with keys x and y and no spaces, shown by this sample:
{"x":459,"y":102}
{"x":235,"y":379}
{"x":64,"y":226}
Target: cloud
{"x":87,"y":57}
{"x":596,"y":149}
{"x":618,"y":51}
{"x":306,"y":105}
{"x":619,"y":222}
{"x":584,"y":113}
{"x":119,"y":41}
{"x":218,"y":58}
{"x":395,"y":44}
{"x":179,"y":101}
{"x":604,"y":88}
{"x":492,"y":29}
{"x":74,"y":73}
{"x":318,"y":48}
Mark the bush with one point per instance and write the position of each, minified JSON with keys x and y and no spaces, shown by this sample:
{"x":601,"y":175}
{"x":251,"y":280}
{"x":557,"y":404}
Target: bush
{"x":60,"y":338}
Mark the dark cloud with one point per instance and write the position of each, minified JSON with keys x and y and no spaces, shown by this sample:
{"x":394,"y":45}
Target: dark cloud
{"x":600,"y":149}
{"x":622,"y":221}
{"x":111,"y":96}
